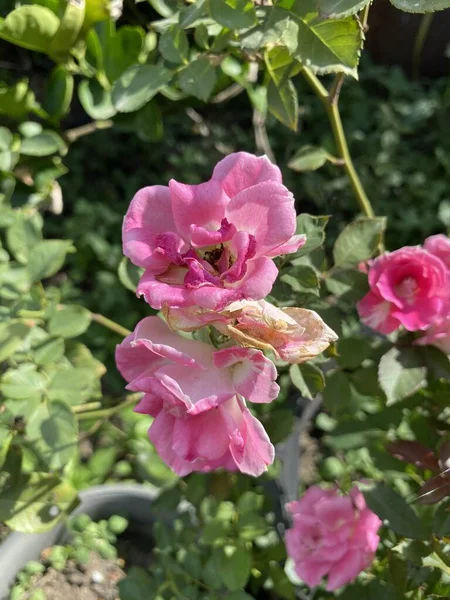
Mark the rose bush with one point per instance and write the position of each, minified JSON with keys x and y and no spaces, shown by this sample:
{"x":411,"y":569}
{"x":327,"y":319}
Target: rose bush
{"x":262,"y":333}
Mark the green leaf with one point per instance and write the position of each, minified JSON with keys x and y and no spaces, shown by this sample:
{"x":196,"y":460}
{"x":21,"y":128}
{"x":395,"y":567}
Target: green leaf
{"x":326,"y":45}
{"x":23,"y":383}
{"x":233,"y":564}
{"x":401,"y":373}
{"x":191,"y":13}
{"x":16,"y":100}
{"x":138,"y":85}
{"x":347,"y":284}
{"x":352,"y":351}
{"x":59,"y":93}
{"x":314,"y":229}
{"x":47,"y":258}
{"x":358,"y":241}
{"x":49,"y":350}
{"x":233,"y":14}
{"x":149,"y":124}
{"x":45,"y":143}
{"x":129,"y":274}
{"x":435,"y":561}
{"x":95,"y":100}
{"x":283,"y":103}
{"x":441,"y":520}
{"x":174,"y":45}
{"x":421,"y":6}
{"x":52,"y":432}
{"x":198,"y":79}
{"x":338,"y":393}
{"x":121,"y":49}
{"x":72,"y":385}
{"x":70,"y":321}
{"x":12,"y":335}
{"x":69,"y":29}
{"x":22,"y":237}
{"x":309,"y":158}
{"x":335,"y":9}
{"x":35,"y":503}
{"x":136,"y":584}
{"x":388,"y":505}
{"x":6,"y":437}
{"x":308,"y":379}
{"x":302,"y":278}
{"x":31,"y":27}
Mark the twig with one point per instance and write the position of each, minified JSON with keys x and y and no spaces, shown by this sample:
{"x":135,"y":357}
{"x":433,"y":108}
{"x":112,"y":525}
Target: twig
{"x":330,"y":102}
{"x":419,"y":43}
{"x":261,"y":138}
{"x":109,"y":412}
{"x":71,"y":135}
{"x":81,"y":408}
{"x":230,"y":92}
{"x":109,"y":324}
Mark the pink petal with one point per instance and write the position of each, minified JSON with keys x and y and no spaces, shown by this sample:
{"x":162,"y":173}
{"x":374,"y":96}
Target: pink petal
{"x":258,"y":280}
{"x":201,"y":437}
{"x":161,"y":436}
{"x":267,"y":212}
{"x":257,"y":452}
{"x":200,"y":205}
{"x":157,"y":293}
{"x":253,"y":374}
{"x":345,"y":570}
{"x":334,"y":512}
{"x":312,"y":570}
{"x":149,"y":214}
{"x":149,"y":405}
{"x":289,"y":247}
{"x":154,"y":334}
{"x":241,"y":170}
{"x":309,"y":501}
{"x":376,"y":313}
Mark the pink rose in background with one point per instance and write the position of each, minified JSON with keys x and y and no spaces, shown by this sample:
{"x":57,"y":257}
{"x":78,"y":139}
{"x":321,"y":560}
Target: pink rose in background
{"x":196,"y":395}
{"x":294,"y":335}
{"x":408,"y":287}
{"x":331,"y":535}
{"x":213,"y":243}
{"x":437,"y":334}
{"x":439,"y":245}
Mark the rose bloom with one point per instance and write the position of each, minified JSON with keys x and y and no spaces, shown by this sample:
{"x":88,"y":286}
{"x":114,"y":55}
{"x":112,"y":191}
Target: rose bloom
{"x":294,"y":335}
{"x":213,"y":243}
{"x":438,"y":334}
{"x":408,"y":287}
{"x":439,"y":245}
{"x":331,"y":535}
{"x":197,"y":395}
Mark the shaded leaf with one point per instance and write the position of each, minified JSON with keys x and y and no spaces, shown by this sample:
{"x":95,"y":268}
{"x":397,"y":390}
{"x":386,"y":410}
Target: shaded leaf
{"x":308,"y":379}
{"x":69,"y":321}
{"x":358,"y":241}
{"x":137,"y":85}
{"x":333,"y":9}
{"x":282,"y":102}
{"x":198,"y":79}
{"x":309,"y":158}
{"x":421,"y":6}
{"x":95,"y":100}
{"x":401,"y":373}
{"x":47,"y":258}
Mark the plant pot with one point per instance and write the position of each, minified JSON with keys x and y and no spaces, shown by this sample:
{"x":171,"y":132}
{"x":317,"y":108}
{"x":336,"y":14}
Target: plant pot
{"x":99,"y":502}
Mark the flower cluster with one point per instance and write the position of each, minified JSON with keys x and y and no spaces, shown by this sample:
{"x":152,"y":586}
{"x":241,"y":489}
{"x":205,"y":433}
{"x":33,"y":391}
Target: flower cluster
{"x":331,"y":535}
{"x":410,"y":287}
{"x":207,"y":252}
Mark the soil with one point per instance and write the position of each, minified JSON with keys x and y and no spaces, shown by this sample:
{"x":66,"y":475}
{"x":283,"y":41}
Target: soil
{"x":97,"y":580}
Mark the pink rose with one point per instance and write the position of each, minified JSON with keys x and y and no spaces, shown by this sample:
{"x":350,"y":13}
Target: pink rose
{"x":439,"y":245}
{"x":294,"y":335}
{"x":331,"y":535}
{"x":408,"y":287}
{"x":196,"y":395}
{"x":438,"y":334}
{"x":212,"y":244}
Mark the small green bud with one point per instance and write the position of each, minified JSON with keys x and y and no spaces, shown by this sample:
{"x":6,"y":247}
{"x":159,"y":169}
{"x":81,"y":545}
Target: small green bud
{"x":38,"y":595}
{"x":82,"y":555}
{"x":105,"y":549}
{"x":33,"y":566}
{"x":117,"y":524}
{"x":123,"y":468}
{"x":17,"y":592}
{"x":80,"y":522}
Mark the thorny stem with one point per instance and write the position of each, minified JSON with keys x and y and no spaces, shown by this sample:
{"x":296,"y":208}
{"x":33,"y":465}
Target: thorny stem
{"x":109,"y":412}
{"x":330,"y":102}
{"x":112,"y":325}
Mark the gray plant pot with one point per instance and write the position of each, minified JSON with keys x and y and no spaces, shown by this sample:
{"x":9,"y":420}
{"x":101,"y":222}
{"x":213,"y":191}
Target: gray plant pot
{"x":99,"y":502}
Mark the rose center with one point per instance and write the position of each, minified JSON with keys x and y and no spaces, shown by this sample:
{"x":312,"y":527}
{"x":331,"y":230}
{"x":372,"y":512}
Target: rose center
{"x":219,"y":257}
{"x":407,"y":289}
